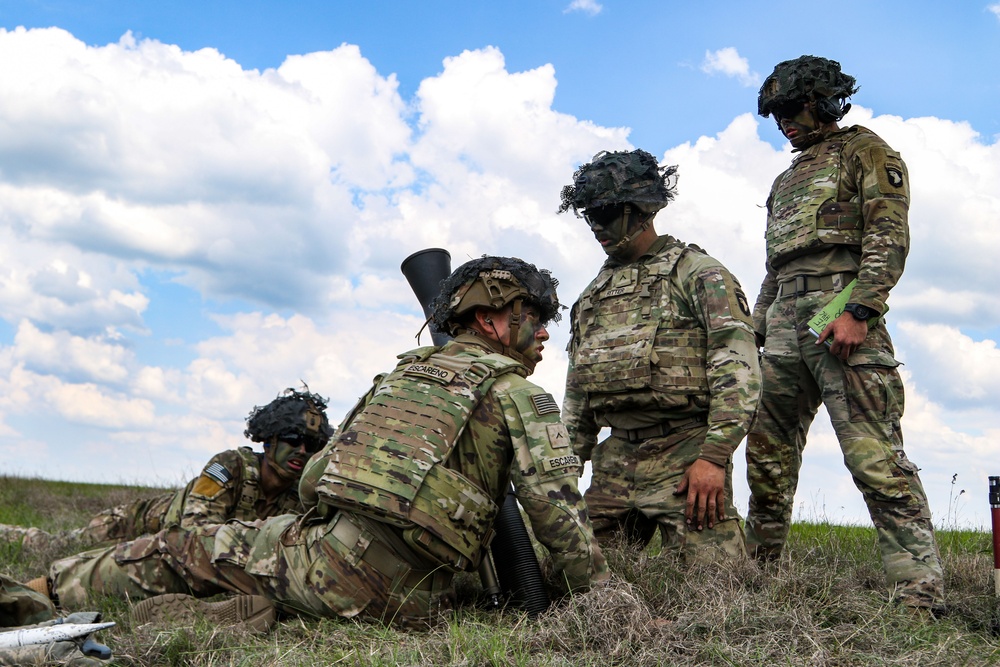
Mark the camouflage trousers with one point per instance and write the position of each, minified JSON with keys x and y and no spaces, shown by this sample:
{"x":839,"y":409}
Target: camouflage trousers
{"x":127,"y":522}
{"x":342,"y":567}
{"x":864,"y":397}
{"x":124,"y":522}
{"x":631,"y":494}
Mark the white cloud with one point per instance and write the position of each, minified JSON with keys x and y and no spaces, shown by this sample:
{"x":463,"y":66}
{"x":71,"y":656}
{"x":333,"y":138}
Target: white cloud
{"x":591,"y":7}
{"x":728,"y":62}
{"x":286,"y":199}
{"x":995,"y":8}
{"x":959,"y":371}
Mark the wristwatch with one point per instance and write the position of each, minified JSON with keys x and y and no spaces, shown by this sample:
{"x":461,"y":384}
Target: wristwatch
{"x":860,"y":312}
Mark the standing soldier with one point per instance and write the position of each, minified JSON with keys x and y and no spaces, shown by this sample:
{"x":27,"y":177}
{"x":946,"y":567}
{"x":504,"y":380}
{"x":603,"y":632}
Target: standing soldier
{"x":235,"y":484}
{"x":406,"y":493}
{"x":662,"y":352}
{"x":839,"y":213}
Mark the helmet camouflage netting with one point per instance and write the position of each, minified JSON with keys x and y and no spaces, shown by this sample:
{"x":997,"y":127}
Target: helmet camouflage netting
{"x":802,"y":78}
{"x":621,"y":177}
{"x":292,"y":412}
{"x":493,"y":282}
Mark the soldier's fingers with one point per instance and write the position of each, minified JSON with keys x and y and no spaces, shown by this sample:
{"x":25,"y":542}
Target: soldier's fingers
{"x":712,"y":510}
{"x":689,"y":506}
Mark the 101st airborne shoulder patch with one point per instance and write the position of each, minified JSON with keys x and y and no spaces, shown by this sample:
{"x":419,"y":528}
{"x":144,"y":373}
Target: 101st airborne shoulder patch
{"x":894,"y":175}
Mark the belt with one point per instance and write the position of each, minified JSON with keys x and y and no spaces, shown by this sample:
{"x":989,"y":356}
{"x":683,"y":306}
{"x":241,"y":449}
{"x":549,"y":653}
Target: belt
{"x":381,"y":558}
{"x":798,"y":285}
{"x":660,"y":430}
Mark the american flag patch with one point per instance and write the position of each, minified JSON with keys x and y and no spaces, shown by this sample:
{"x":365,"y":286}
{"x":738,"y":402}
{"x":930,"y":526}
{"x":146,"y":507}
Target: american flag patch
{"x":217,"y":472}
{"x":544,"y":404}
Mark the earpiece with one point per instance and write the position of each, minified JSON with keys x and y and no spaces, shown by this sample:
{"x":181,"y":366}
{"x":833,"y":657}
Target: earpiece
{"x":488,"y":321}
{"x":828,"y":110}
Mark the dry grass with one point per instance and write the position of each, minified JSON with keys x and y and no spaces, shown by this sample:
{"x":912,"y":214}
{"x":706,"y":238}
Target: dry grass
{"x":823,"y":603}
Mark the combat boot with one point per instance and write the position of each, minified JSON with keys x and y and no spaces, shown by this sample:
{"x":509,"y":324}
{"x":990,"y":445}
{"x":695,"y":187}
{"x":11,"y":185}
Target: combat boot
{"x":40,"y":585}
{"x":252,"y":612}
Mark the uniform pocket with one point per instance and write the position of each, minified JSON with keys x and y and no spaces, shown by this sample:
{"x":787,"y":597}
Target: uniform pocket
{"x":872,"y":386}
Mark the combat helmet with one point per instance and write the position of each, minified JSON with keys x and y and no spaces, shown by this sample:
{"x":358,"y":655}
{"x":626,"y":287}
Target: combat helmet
{"x":495,"y":282}
{"x":807,"y":78}
{"x":296,"y":414}
{"x":620,"y":177}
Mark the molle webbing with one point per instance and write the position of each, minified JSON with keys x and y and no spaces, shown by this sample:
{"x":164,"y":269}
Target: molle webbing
{"x":389,"y":462}
{"x":805,"y":215}
{"x":250,"y":489}
{"x":630,"y":338}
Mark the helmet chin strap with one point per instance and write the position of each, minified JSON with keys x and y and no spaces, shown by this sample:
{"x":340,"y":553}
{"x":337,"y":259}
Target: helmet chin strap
{"x":515,"y":326}
{"x":623,"y":226}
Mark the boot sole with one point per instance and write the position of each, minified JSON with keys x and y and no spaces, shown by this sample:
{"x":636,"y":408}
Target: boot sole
{"x":252,"y":612}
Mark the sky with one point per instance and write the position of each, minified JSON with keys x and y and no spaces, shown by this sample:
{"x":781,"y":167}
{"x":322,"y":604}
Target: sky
{"x":202,"y":204}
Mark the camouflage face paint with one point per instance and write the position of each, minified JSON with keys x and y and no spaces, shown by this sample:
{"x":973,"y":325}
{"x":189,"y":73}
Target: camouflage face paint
{"x":289,"y":457}
{"x":530,"y":336}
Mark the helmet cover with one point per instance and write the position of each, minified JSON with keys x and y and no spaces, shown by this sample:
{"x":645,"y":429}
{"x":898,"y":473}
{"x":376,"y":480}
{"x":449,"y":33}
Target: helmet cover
{"x":620,"y":177}
{"x":805,"y":77}
{"x":493,"y":282}
{"x":291,"y":413}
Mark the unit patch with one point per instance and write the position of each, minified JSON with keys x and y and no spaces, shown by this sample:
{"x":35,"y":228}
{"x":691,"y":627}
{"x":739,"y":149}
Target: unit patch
{"x":741,"y":301}
{"x":894,"y":175}
{"x":544,"y":404}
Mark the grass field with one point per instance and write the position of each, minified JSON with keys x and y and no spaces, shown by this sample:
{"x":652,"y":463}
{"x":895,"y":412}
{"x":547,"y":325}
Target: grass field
{"x":824,"y":603}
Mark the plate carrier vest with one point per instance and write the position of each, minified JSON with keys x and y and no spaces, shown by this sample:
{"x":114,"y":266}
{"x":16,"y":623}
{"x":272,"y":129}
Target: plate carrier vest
{"x":388,"y":463}
{"x":628,"y":339}
{"x":805,"y":215}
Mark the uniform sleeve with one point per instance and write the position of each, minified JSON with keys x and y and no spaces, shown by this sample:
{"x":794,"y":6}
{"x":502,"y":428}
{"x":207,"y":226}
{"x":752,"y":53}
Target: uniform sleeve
{"x":213,"y":494}
{"x":577,"y":415}
{"x":732,"y":364}
{"x":544,"y":473}
{"x":768,"y":288}
{"x":879,"y":178}
{"x":765,"y":297}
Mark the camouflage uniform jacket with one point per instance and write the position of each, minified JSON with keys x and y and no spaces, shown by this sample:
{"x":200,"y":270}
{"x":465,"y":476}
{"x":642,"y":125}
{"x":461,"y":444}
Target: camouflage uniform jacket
{"x":873,"y":180}
{"x":229,"y":488}
{"x":697,"y":295}
{"x":513,"y":435}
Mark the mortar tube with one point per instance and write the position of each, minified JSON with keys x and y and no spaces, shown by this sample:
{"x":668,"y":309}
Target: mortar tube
{"x":995,"y":516}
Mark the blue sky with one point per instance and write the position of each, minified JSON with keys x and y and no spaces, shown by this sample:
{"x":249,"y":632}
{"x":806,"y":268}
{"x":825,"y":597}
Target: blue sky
{"x":204,"y":203}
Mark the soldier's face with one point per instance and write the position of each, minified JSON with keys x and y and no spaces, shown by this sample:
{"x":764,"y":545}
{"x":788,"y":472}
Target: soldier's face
{"x":530,"y":335}
{"x":608,"y":225}
{"x":290,"y":454}
{"x":796,"y":121}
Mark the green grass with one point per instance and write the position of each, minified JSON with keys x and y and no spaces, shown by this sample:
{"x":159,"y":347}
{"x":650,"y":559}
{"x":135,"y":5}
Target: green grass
{"x":822,"y":603}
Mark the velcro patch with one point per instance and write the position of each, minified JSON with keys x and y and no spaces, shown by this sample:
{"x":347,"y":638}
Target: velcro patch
{"x":207,"y":486}
{"x":217,"y":471}
{"x":544,"y":404}
{"x":437,"y":373}
{"x":558,"y":437}
{"x":559,"y":462}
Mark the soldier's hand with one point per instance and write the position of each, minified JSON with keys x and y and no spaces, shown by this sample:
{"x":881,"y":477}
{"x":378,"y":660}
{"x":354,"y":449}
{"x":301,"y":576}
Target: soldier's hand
{"x":704,"y":483}
{"x":848,"y":335}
